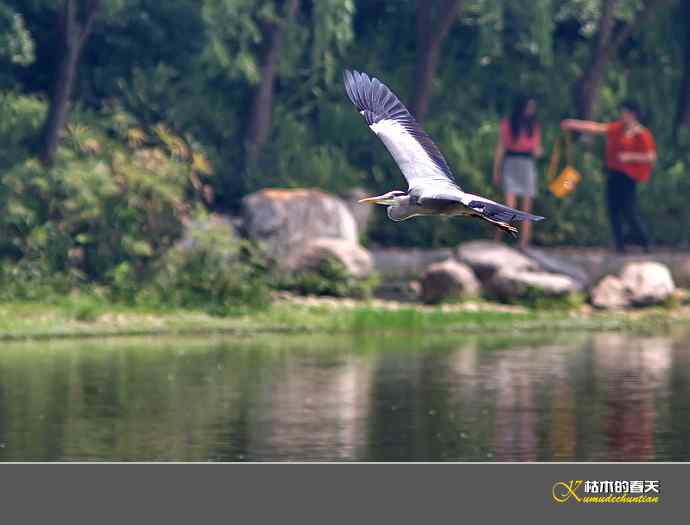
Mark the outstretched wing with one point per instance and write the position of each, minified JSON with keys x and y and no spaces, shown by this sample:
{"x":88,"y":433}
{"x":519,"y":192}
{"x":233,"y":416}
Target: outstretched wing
{"x":417,"y":156}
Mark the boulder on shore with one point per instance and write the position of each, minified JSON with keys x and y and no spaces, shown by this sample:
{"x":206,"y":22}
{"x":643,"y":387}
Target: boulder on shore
{"x":514,"y":283}
{"x":553,"y":264}
{"x":361,"y":212}
{"x":356,"y":260}
{"x":640,"y":283}
{"x":488,"y":257}
{"x":406,"y":263}
{"x":610,"y":293}
{"x":284,"y":220}
{"x":448,"y":280}
{"x":647,"y":282}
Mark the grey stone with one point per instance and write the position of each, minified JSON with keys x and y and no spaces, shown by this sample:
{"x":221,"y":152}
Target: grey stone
{"x":647,"y":282}
{"x":406,"y":263}
{"x":356,"y":260}
{"x":488,"y":257}
{"x":284,"y":220}
{"x":511,"y":283}
{"x":610,"y":293}
{"x":448,"y":280}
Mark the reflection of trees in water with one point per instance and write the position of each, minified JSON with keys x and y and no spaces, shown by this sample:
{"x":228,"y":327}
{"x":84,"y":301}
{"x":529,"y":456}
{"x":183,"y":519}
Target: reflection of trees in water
{"x":634,"y":373}
{"x":562,"y":434}
{"x":564,"y":402}
{"x":468,"y":404}
{"x":617,"y":397}
{"x":514,"y":427}
{"x":120,"y":402}
{"x":679,"y":403}
{"x":599,"y":408}
{"x":311,"y":409}
{"x":533,"y":416}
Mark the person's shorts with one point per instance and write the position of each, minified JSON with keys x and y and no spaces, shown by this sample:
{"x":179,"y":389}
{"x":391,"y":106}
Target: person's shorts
{"x":519,"y":175}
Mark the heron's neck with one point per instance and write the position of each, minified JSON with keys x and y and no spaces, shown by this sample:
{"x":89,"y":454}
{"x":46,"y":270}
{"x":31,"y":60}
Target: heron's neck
{"x":403,"y":200}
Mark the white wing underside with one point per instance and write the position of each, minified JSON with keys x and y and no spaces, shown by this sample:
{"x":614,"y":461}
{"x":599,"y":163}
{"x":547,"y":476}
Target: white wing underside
{"x":423,"y":176}
{"x":419,"y":169}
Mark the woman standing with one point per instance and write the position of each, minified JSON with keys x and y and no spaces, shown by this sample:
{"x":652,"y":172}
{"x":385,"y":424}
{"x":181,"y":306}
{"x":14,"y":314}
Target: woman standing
{"x":519,"y":143}
{"x":630,"y":155}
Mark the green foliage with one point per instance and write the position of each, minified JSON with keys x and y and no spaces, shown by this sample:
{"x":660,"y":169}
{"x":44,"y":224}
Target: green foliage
{"x":16,"y":44}
{"x":330,"y":278}
{"x":211,"y":269}
{"x":536,"y":299}
{"x":162,"y":105}
{"x":32,"y":280}
{"x":20,"y":121}
{"x":105,"y":201}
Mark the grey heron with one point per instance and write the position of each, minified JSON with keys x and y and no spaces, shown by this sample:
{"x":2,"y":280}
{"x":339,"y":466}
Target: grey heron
{"x":432,"y":189}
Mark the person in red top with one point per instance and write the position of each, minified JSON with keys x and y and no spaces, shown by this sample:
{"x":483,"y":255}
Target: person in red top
{"x":630,"y":155}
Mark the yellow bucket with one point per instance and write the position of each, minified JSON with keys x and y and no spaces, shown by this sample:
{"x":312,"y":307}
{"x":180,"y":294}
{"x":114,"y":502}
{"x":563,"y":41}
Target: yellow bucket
{"x":568,"y":179}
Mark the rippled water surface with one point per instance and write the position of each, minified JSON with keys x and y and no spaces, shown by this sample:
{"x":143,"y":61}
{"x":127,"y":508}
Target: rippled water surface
{"x":608,"y":396}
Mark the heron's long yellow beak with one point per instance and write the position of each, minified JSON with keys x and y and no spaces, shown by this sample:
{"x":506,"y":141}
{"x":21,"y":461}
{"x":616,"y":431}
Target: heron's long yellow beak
{"x":371,"y":200}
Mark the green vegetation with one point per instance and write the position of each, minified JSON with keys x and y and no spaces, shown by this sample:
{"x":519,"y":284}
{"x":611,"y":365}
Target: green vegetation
{"x":329,"y":278}
{"x":535,"y":298}
{"x":168,"y":110}
{"x":89,"y":316}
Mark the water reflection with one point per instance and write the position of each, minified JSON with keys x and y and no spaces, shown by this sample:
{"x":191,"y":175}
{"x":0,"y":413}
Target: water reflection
{"x":609,"y":396}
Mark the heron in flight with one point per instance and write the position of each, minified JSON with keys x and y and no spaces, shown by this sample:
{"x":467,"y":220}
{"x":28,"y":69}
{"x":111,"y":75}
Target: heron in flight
{"x":432,"y":189}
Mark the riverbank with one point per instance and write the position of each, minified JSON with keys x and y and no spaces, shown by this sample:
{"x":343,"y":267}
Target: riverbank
{"x":83,"y":317}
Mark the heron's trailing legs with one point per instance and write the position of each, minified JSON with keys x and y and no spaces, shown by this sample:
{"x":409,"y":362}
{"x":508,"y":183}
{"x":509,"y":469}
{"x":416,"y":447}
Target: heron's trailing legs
{"x":503,"y":226}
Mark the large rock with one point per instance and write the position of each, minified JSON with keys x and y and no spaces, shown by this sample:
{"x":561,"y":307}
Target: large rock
{"x":361,"y":212}
{"x":513,"y":283}
{"x":641,"y":283}
{"x":406,"y":263}
{"x":357,"y":260}
{"x":488,"y":257}
{"x":553,"y":264}
{"x":283,"y":220}
{"x":598,"y":263}
{"x":647,"y":282}
{"x":610,"y":293}
{"x":448,"y":280}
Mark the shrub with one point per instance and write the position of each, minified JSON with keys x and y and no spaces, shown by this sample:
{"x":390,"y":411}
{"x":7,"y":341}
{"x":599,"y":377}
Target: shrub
{"x":33,"y":280}
{"x":329,"y":278}
{"x":116,"y":194}
{"x":213,"y":269}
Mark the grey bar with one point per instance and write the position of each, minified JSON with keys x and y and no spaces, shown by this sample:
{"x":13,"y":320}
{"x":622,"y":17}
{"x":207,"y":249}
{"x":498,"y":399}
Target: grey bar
{"x":326,"y":493}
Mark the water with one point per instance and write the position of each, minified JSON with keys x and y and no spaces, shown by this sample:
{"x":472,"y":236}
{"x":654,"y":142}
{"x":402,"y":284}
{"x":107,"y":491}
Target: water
{"x":584,"y":397}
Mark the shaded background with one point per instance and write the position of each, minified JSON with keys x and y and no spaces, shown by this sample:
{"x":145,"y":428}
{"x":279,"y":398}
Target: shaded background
{"x":184,"y":105}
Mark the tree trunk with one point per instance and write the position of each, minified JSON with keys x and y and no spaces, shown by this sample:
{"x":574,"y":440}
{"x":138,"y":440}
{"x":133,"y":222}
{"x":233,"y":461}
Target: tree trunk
{"x":683,"y":111}
{"x":604,"y":48}
{"x":587,"y":86}
{"x":434,"y":21}
{"x":59,"y":104}
{"x":259,"y":127}
{"x":73,"y":35}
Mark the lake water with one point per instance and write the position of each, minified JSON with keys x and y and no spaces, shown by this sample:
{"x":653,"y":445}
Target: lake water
{"x":607,"y":396}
